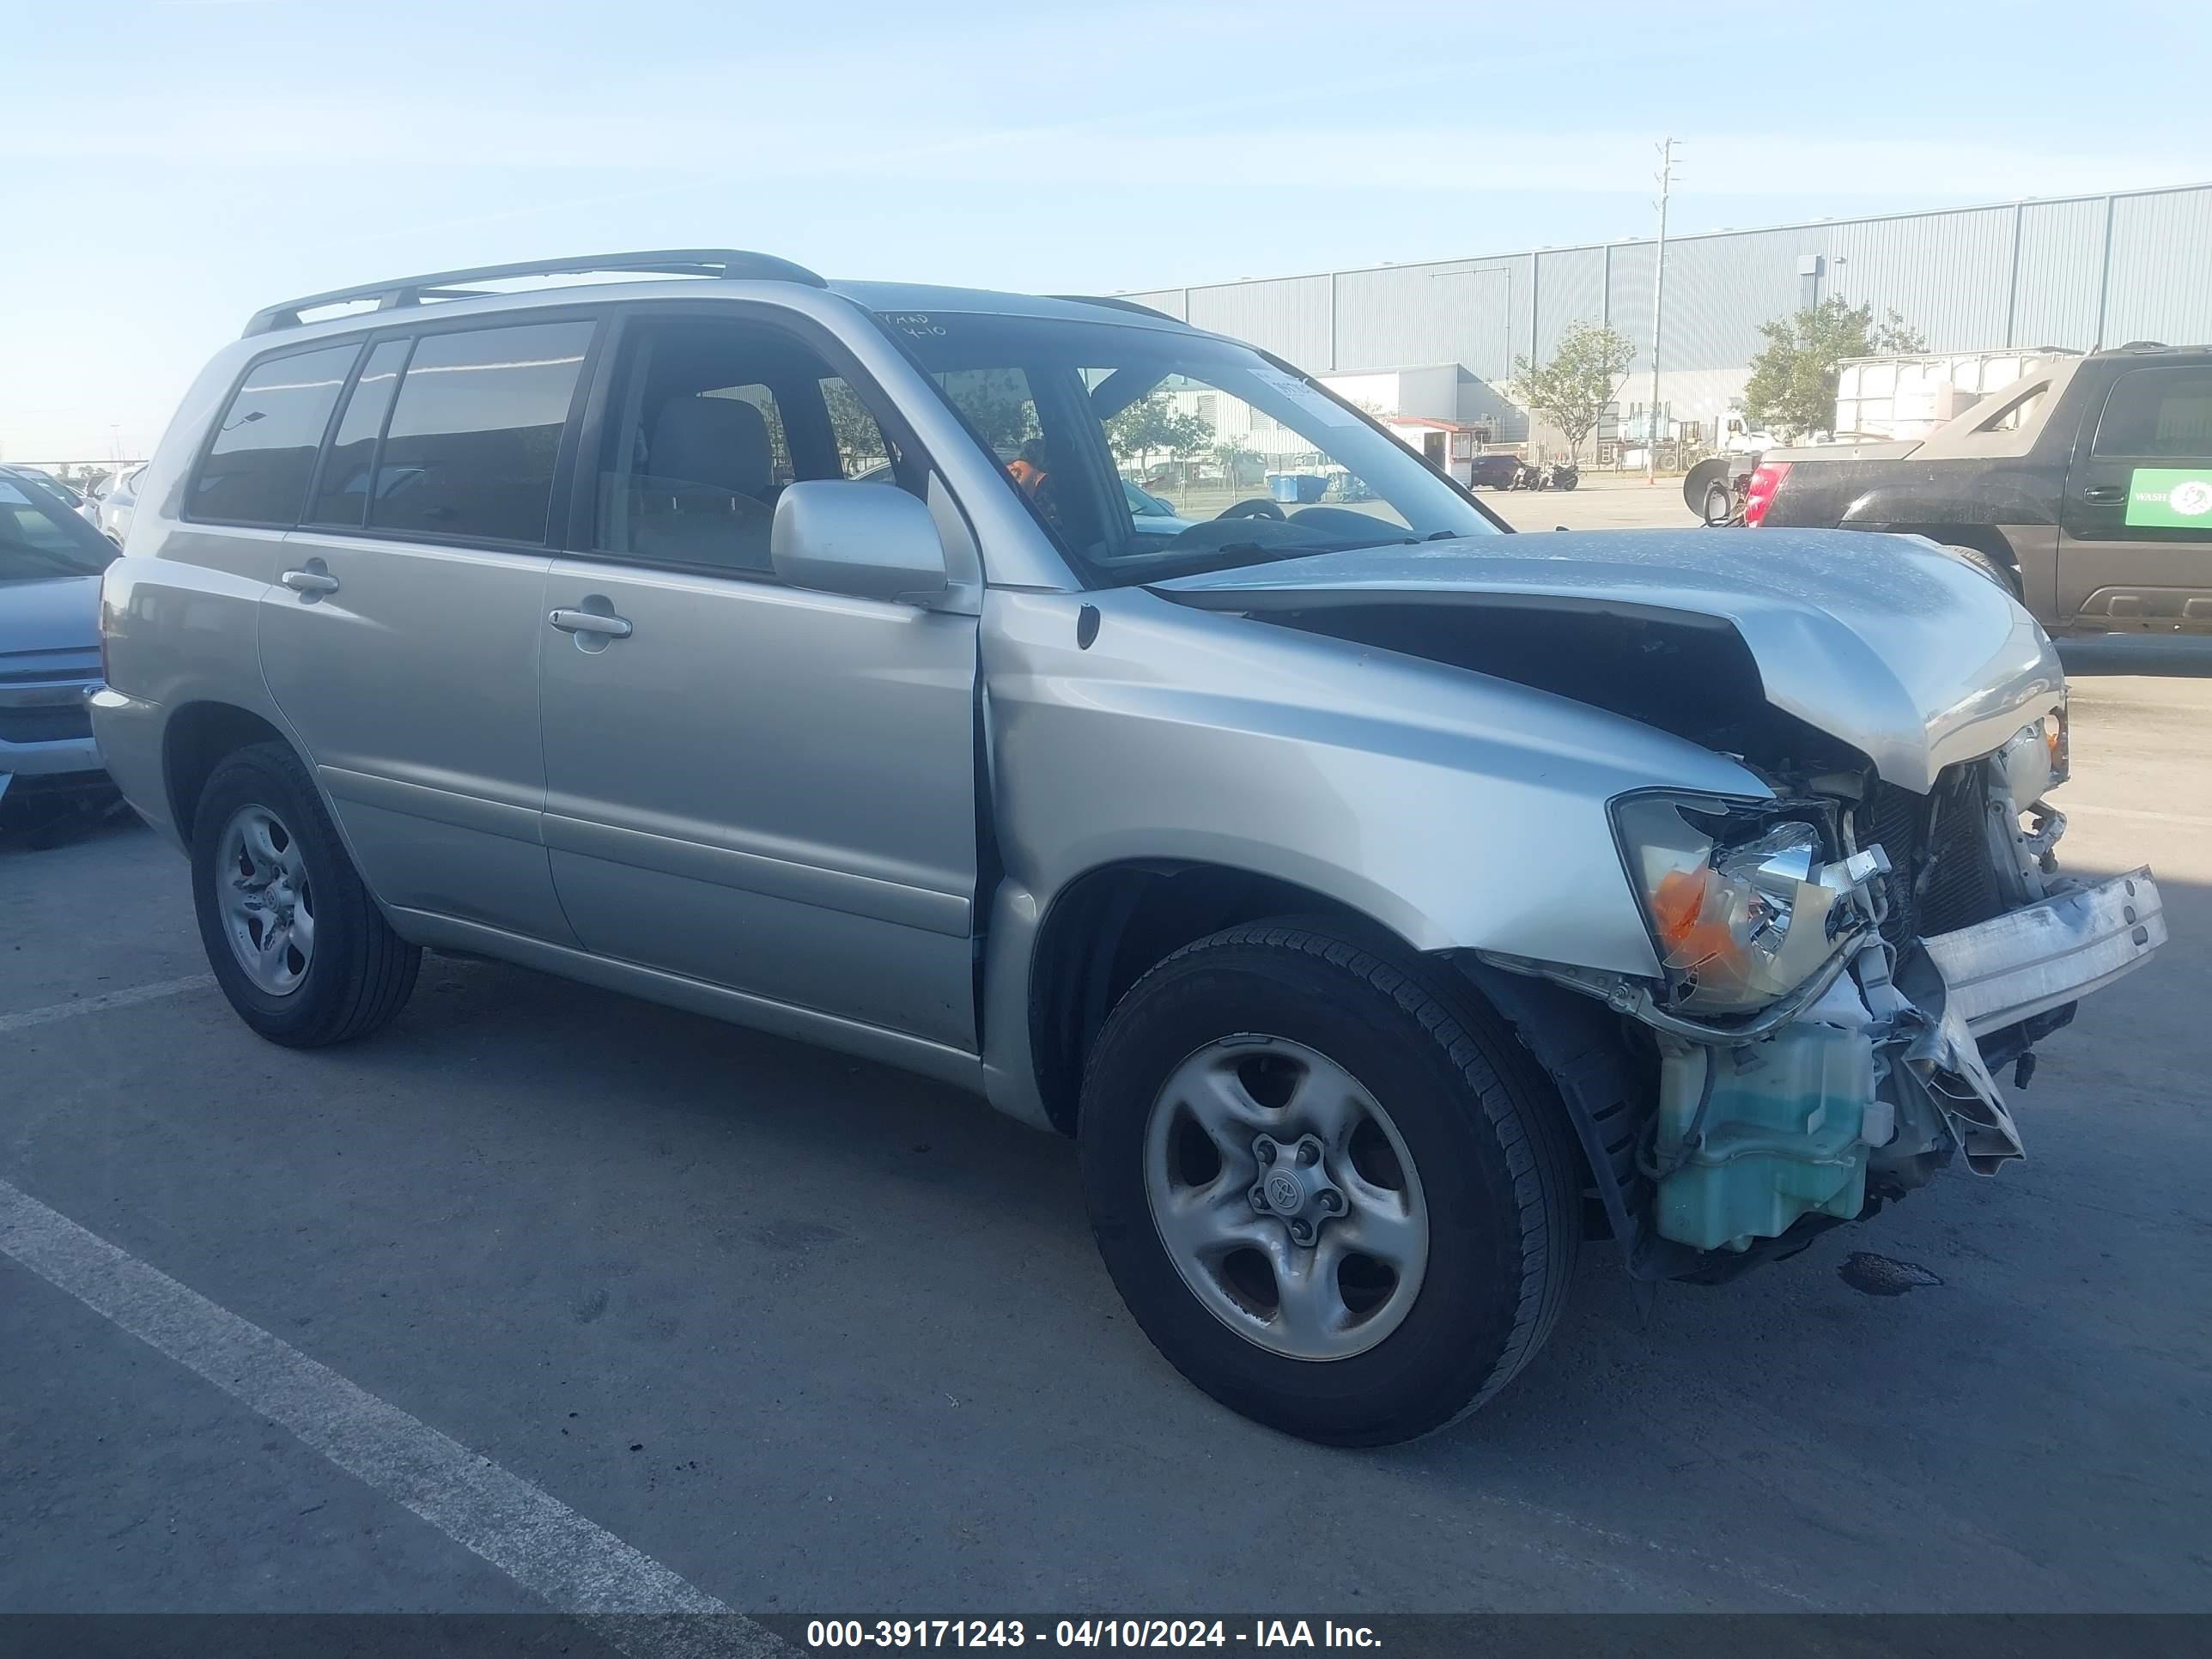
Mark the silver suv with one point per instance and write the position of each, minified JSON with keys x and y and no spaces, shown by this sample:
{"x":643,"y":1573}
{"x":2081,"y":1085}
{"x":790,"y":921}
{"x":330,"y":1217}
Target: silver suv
{"x":1385,"y":904}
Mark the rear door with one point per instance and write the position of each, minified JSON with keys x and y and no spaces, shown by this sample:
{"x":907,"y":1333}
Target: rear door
{"x":2136,"y":530}
{"x":403,"y":643}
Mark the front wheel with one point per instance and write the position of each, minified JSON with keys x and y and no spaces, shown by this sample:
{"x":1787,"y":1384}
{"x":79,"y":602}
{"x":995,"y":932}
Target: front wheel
{"x":297,"y":944}
{"x":1329,"y":1186}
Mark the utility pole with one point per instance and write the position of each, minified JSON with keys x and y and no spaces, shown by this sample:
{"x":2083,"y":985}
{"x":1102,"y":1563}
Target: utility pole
{"x":1658,"y":292}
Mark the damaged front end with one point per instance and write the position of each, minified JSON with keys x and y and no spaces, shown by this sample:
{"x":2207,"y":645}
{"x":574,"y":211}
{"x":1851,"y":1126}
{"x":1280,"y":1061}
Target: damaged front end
{"x":1845,"y":969}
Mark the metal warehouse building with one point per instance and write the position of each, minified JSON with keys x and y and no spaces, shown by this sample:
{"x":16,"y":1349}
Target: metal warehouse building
{"x":1433,"y":340}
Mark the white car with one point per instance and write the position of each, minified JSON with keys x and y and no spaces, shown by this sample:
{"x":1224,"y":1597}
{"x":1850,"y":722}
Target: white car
{"x":110,"y":504}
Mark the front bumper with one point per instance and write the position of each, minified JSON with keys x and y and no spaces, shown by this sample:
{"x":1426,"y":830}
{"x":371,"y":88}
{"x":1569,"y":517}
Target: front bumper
{"x":2029,"y":961}
{"x":45,"y":729}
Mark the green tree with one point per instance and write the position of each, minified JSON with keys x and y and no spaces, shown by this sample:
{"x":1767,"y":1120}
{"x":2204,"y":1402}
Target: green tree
{"x":996,"y":402}
{"x":1572,"y":390}
{"x":1792,"y":388}
{"x":860,"y":445}
{"x":1153,"y":424}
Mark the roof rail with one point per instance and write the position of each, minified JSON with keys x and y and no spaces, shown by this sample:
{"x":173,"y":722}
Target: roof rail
{"x":729,"y":262}
{"x":1117,"y":303}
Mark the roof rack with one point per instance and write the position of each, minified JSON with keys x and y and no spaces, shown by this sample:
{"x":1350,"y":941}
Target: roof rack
{"x":726,"y":263}
{"x":1118,"y":304}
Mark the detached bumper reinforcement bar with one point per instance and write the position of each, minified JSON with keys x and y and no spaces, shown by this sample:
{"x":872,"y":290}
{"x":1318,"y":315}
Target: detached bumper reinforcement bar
{"x":2005,"y":970}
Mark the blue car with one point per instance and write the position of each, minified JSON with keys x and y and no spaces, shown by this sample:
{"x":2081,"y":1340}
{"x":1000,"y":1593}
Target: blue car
{"x":51,"y":562}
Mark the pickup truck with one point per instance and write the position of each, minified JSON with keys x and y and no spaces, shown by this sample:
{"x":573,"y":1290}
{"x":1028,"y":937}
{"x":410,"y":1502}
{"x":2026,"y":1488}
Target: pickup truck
{"x":2084,"y":487}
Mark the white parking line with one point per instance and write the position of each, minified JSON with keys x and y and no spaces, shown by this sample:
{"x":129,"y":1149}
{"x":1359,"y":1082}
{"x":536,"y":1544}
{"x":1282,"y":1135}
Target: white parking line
{"x":153,"y":992}
{"x":533,"y":1538}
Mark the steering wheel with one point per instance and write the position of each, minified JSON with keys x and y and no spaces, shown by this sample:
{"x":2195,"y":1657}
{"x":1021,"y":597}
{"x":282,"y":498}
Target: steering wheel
{"x":1258,"y":507}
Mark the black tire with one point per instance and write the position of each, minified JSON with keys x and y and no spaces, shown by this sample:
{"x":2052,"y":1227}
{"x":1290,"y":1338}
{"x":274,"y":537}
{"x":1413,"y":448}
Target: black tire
{"x":362,"y":973}
{"x":1485,"y":1134}
{"x":1989,"y":564}
{"x":1720,"y":504}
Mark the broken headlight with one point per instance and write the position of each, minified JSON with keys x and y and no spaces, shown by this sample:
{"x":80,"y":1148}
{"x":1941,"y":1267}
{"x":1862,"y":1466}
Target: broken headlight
{"x":1741,"y":912}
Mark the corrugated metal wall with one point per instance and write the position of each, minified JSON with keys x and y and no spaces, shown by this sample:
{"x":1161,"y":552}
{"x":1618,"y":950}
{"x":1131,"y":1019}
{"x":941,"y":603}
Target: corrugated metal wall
{"x":2035,"y":273}
{"x":1289,"y":315}
{"x":2062,"y":246}
{"x":1472,"y":311}
{"x":2161,"y":272}
{"x":1570,"y":288}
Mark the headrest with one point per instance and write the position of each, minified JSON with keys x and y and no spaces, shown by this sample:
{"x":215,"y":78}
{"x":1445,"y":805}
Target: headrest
{"x":722,"y":441}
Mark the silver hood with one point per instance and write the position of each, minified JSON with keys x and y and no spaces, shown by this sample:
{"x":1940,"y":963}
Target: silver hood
{"x":61,"y":613}
{"x":1885,"y":642}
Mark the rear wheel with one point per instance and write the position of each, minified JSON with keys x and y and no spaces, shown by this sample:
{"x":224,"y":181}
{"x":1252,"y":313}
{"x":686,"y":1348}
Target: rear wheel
{"x":297,"y":945}
{"x":1328,"y":1186}
{"x":1989,"y":564}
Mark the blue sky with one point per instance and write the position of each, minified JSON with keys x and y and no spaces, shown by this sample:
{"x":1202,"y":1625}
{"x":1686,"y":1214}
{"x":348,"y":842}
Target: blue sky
{"x":178,"y":163}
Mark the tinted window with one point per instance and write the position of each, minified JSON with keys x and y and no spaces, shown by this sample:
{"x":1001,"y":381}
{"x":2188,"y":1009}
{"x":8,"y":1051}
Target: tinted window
{"x":41,"y":537}
{"x":475,"y":429}
{"x":256,"y":469}
{"x":2158,"y":412}
{"x":343,"y":486}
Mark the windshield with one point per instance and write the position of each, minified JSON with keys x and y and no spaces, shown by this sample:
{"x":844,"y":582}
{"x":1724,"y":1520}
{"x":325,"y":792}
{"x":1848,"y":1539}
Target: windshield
{"x":1149,"y":453}
{"x":41,"y":537}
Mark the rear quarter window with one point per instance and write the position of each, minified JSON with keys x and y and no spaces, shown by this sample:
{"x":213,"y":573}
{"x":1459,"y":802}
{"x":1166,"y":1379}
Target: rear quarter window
{"x":256,"y":467}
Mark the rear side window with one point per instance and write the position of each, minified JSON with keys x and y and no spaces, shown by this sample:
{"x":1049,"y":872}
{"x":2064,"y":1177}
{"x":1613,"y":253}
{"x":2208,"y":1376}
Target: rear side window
{"x":2162,"y":412}
{"x":475,"y":431}
{"x":256,"y":468}
{"x":342,"y":490}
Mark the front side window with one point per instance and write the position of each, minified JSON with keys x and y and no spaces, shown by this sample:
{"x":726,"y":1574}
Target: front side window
{"x":711,"y":420}
{"x":2165,"y":413}
{"x":256,"y":467}
{"x":475,"y":432}
{"x":1149,"y":453}
{"x":41,"y":537}
{"x":862,"y":450}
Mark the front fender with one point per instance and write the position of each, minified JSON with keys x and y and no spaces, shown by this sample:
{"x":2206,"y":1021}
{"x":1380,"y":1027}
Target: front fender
{"x":1457,"y":811}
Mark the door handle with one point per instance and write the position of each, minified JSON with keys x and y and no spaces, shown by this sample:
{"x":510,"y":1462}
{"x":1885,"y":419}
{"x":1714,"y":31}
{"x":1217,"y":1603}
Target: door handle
{"x":589,"y":621}
{"x":310,"y":581}
{"x":2104,"y":493}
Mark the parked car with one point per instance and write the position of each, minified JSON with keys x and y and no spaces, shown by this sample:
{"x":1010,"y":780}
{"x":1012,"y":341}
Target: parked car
{"x":50,"y":563}
{"x":110,"y":506}
{"x":1151,"y":515}
{"x":69,"y":492}
{"x":1495,"y":469}
{"x":1374,"y":895}
{"x":2084,"y":488}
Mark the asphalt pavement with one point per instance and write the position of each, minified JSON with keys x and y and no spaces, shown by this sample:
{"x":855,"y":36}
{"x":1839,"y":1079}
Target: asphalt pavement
{"x":810,"y":1336}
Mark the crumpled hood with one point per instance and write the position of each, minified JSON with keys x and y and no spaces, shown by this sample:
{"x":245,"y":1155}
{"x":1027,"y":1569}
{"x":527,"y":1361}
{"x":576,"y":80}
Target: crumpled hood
{"x":1909,"y":656}
{"x":62,"y":614}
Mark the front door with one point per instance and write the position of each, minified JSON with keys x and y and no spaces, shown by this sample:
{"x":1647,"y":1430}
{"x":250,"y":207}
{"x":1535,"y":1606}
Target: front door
{"x":2136,"y":542}
{"x":402,"y":643}
{"x":767,"y":789}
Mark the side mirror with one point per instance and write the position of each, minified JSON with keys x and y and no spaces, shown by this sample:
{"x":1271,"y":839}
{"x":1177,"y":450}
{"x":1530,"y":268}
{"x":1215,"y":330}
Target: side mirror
{"x":846,"y":537}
